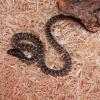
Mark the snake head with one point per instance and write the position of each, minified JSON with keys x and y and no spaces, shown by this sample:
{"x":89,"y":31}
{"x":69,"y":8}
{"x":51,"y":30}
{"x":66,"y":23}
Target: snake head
{"x":16,"y":53}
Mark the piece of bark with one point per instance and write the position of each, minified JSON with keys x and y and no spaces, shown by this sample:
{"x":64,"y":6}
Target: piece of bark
{"x":88,"y":11}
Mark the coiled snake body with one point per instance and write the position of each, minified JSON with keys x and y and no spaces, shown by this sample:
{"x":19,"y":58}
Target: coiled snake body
{"x":38,"y":53}
{"x":38,"y":50}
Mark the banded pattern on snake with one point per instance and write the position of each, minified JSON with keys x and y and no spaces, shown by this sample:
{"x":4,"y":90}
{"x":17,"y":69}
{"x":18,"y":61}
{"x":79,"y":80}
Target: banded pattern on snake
{"x":38,"y":50}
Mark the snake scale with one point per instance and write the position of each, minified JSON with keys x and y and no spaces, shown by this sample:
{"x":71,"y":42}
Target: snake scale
{"x":38,"y":49}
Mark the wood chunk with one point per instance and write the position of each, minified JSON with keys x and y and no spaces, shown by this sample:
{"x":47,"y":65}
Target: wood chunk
{"x":86,"y":10}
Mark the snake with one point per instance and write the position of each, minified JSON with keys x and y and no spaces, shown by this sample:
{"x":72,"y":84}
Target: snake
{"x":37,"y":48}
{"x":34,"y":45}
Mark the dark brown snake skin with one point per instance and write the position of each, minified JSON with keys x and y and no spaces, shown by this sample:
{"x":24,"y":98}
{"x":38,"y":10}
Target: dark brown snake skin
{"x":38,"y":50}
{"x":36,"y":47}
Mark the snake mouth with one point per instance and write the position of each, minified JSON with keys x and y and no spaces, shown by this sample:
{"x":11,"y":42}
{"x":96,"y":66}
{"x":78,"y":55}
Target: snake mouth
{"x":16,"y":53}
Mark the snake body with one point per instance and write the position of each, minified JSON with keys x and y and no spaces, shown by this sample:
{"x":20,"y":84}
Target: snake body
{"x":38,"y":50}
{"x":36,"y":47}
{"x":38,"y":53}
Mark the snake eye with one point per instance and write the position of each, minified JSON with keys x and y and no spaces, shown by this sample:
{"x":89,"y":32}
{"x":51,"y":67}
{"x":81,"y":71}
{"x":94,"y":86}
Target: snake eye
{"x":15,"y":52}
